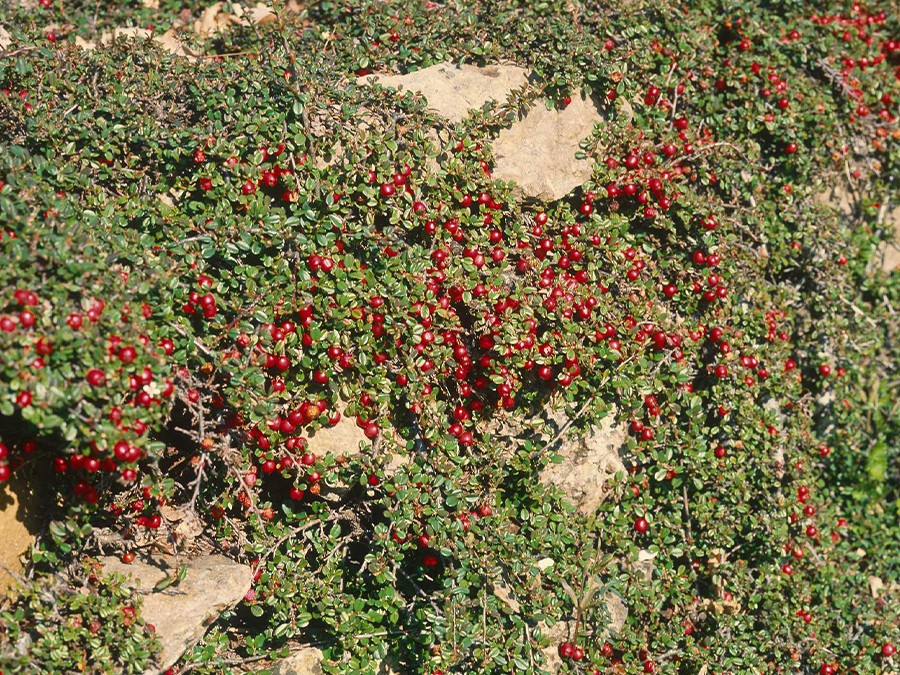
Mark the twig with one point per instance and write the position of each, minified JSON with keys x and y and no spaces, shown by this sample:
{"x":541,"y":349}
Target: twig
{"x":295,"y":531}
{"x":687,"y":515}
{"x":16,"y":52}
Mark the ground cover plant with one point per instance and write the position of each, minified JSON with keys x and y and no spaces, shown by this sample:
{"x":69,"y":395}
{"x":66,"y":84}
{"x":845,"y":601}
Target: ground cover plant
{"x":209,"y":256}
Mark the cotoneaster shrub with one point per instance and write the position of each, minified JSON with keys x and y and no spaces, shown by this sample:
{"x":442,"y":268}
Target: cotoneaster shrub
{"x":209,"y":259}
{"x":88,"y":622}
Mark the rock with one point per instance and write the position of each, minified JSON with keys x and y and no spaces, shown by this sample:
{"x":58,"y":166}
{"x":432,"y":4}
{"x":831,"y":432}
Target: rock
{"x":618,"y":614}
{"x":589,"y":461}
{"x":215,"y":19}
{"x":538,"y":152}
{"x":341,"y":439}
{"x":887,"y":254}
{"x":558,"y":632}
{"x":453,"y":90}
{"x":21,"y":507}
{"x":348,"y":440}
{"x":644,"y":564}
{"x":505,"y":595}
{"x":838,"y":196}
{"x":307,"y":661}
{"x":182,"y":611}
{"x":564,"y":630}
{"x":5,"y":38}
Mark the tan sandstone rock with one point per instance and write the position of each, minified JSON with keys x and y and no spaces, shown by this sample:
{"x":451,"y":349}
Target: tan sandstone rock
{"x":590,"y":460}
{"x":538,"y":152}
{"x":182,"y":611}
{"x":453,"y":90}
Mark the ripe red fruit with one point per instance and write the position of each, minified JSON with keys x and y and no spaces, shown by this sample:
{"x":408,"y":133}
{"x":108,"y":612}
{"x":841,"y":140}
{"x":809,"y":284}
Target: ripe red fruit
{"x":641,"y":525}
{"x":95,"y":377}
{"x":387,"y":189}
{"x":248,"y":188}
{"x":566,"y":649}
{"x":791,"y":148}
{"x":23,"y":399}
{"x":888,"y":650}
{"x":371,"y":430}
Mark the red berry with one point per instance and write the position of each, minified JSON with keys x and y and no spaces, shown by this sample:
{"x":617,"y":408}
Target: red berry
{"x":641,"y":525}
{"x":96,"y":377}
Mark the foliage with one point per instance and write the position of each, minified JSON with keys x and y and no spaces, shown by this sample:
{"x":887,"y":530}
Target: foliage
{"x":210,"y":259}
{"x":87,"y":622}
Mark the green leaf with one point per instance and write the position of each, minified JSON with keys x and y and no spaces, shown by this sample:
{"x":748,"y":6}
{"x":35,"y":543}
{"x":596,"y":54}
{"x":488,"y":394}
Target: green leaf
{"x":876,"y":462}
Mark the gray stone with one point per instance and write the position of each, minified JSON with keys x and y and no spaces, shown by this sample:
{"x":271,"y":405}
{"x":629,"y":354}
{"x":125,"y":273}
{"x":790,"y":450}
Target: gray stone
{"x":538,"y":152}
{"x":453,"y":90}
{"x":182,"y":611}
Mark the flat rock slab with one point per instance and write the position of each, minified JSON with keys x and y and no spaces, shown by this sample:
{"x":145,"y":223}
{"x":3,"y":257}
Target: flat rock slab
{"x":589,"y":461}
{"x":182,"y":612}
{"x":538,"y":152}
{"x":453,"y":90}
{"x":307,"y":661}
